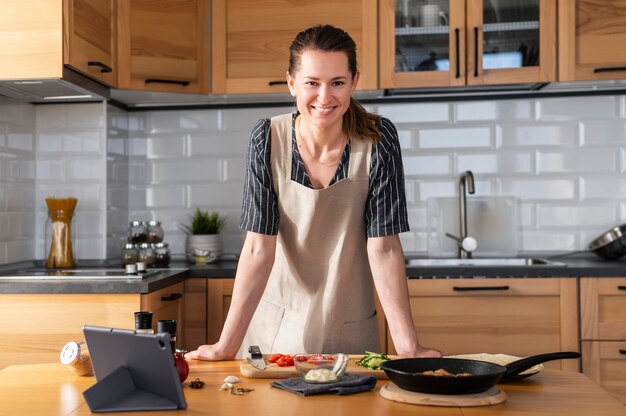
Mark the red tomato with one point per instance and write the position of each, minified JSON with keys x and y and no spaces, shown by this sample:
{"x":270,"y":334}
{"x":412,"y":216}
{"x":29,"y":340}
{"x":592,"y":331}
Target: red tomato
{"x":275,"y":358}
{"x":285,"y":361}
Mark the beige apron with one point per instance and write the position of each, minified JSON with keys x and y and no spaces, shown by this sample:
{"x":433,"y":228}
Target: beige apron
{"x":320,"y":296}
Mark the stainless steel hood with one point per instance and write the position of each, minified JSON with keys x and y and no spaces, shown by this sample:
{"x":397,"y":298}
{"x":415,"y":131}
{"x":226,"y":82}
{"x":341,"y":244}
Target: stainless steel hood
{"x":72,"y":87}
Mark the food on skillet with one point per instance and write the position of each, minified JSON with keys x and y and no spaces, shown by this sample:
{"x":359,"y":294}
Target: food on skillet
{"x":443,"y":372}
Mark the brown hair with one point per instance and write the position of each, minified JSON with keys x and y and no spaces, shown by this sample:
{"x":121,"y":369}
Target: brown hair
{"x":357,"y":122}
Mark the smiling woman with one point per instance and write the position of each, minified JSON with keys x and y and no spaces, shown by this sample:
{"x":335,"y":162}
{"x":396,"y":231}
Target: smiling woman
{"x":323,"y":205}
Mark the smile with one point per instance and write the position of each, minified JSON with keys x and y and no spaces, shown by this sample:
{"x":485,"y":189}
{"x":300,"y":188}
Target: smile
{"x":324,"y":109}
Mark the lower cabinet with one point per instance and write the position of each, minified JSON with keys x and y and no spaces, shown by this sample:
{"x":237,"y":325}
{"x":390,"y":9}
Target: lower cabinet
{"x":36,"y":326}
{"x":603,"y":333}
{"x":511,"y":316}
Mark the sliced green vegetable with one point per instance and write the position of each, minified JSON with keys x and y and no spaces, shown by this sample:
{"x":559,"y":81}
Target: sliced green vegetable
{"x":372,"y":360}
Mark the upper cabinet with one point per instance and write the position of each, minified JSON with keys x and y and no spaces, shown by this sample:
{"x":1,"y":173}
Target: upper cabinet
{"x":164,"y":45}
{"x":90,"y":32}
{"x":438,"y":43}
{"x":592,"y":35}
{"x":251,"y":39}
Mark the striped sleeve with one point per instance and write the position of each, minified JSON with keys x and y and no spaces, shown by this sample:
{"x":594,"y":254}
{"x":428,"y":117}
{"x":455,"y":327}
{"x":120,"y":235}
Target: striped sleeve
{"x":386,"y":211}
{"x":259,"y":210}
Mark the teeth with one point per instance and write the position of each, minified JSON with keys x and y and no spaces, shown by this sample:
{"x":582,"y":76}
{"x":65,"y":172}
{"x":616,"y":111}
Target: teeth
{"x":323,"y":109}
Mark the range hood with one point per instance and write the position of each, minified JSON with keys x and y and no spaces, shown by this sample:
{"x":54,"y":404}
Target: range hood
{"x":72,"y":87}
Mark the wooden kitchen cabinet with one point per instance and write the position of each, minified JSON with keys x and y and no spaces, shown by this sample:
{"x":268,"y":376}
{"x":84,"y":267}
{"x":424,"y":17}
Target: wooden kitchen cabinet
{"x":592,"y":35}
{"x":219,"y":293}
{"x":167,"y":303}
{"x":164,"y":45}
{"x":90,"y":31}
{"x":251,"y":39}
{"x":36,"y":326}
{"x":195,"y":313}
{"x":39,"y":37}
{"x":603,"y":333}
{"x":443,"y":43}
{"x":500,"y":315}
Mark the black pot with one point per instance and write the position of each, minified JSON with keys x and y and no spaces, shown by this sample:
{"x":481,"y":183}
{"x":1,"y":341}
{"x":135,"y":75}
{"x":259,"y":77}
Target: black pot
{"x":406,"y":373}
{"x":611,"y":245}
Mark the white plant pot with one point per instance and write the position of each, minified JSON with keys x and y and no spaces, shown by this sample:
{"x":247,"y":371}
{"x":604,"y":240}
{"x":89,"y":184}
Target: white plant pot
{"x":207,"y":242}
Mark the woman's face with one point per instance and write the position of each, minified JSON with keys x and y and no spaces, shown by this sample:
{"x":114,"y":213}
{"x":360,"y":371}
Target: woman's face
{"x":322,"y":86}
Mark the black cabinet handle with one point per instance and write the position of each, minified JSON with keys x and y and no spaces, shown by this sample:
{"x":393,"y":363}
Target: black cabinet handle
{"x":171,"y":297}
{"x":621,"y":288}
{"x":273,"y":83}
{"x":476,"y":52}
{"x":166,"y":81}
{"x":103,"y":68}
{"x":469,"y":289}
{"x":610,"y":69}
{"x":622,"y":351}
{"x":458,"y":53}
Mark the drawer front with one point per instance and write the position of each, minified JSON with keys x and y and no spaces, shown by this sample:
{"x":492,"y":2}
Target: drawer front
{"x":603,"y":308}
{"x":166,"y":303}
{"x":605,"y":363}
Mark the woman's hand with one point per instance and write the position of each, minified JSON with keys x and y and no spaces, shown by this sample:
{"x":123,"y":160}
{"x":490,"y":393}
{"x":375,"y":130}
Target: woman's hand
{"x":209,"y":353}
{"x":423,"y":352}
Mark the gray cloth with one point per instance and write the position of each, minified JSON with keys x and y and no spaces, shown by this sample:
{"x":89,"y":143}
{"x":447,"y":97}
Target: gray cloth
{"x":349,"y":384}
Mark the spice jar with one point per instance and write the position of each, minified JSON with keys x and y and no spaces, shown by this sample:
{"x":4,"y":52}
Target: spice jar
{"x":137,"y":232}
{"x":146,"y":254}
{"x":143,"y":322}
{"x":155,"y":232}
{"x":76,"y":356}
{"x":130,"y":254}
{"x":162,"y":255}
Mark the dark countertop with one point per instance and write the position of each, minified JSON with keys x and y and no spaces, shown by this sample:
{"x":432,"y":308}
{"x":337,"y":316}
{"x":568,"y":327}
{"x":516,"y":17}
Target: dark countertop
{"x":576,"y":266}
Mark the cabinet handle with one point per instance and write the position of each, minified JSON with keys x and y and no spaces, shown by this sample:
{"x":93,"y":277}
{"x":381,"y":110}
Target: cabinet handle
{"x":610,"y":69}
{"x":476,"y":52}
{"x":469,"y":289}
{"x":622,"y":351}
{"x":166,"y":81}
{"x":458,"y":53}
{"x":103,"y":68}
{"x":171,"y":297}
{"x":621,"y":288}
{"x":273,"y":83}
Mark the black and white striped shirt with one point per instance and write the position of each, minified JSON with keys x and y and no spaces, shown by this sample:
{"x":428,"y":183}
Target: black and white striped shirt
{"x":385,"y":210}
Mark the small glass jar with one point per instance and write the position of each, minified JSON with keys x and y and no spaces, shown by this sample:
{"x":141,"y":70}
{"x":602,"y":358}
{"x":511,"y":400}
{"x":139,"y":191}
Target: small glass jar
{"x":162,"y":255}
{"x":130,"y":254}
{"x":143,"y":322}
{"x":137,"y":232}
{"x":76,"y":356}
{"x":155,"y":232}
{"x":146,"y":254}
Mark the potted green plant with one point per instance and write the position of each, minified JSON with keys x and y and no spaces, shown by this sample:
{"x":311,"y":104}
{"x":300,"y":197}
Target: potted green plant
{"x":204,"y":242}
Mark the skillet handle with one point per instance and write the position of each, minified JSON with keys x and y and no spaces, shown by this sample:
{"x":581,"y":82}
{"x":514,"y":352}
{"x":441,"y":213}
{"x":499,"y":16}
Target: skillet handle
{"x":516,"y":367}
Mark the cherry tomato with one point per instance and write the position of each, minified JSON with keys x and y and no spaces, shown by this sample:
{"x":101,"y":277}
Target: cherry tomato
{"x":275,"y":358}
{"x":285,"y":361}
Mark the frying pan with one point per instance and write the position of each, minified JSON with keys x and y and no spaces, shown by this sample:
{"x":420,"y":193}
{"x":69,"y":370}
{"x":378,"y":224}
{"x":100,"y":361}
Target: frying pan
{"x":406,"y":372}
{"x":609,"y":245}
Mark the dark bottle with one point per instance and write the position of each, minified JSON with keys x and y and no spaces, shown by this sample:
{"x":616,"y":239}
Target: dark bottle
{"x":143,"y":322}
{"x":169,"y":327}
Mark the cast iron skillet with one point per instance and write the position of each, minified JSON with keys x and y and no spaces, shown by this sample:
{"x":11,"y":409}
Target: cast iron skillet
{"x":405,"y":372}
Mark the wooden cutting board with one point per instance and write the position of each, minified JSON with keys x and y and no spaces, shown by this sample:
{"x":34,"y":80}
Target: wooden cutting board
{"x":492,"y":396}
{"x":274,"y":371}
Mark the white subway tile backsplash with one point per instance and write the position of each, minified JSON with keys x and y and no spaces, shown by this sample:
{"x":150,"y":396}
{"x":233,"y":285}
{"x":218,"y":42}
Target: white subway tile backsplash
{"x":540,"y":189}
{"x":578,"y":161}
{"x":166,"y":146}
{"x":405,"y":138}
{"x":20,"y":138}
{"x":567,"y":216}
{"x":165,"y":196}
{"x":497,"y":111}
{"x":602,"y":187}
{"x":527,"y":216}
{"x":427,"y":165}
{"x":565,"y":134}
{"x":542,"y":241}
{"x":603,"y":107}
{"x":218,"y":144}
{"x":431,"y":189}
{"x":415,"y":113}
{"x":215,"y":195}
{"x":606,"y":132}
{"x":21,"y":169}
{"x":185,"y":171}
{"x":457,"y":138}
{"x":243,"y":120}
{"x":86,"y":170}
{"x":19,"y":197}
{"x":497,"y":163}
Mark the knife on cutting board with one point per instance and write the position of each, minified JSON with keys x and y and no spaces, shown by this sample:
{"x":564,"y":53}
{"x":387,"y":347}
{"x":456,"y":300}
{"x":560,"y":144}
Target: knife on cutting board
{"x":256,"y":358}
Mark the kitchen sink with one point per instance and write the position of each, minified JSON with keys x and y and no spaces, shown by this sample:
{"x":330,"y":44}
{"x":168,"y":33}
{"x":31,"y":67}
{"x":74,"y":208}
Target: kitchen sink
{"x":497,"y":261}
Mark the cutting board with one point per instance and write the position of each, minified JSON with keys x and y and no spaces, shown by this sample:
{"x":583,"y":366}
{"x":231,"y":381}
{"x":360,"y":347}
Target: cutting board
{"x":492,"y":396}
{"x":274,"y":371}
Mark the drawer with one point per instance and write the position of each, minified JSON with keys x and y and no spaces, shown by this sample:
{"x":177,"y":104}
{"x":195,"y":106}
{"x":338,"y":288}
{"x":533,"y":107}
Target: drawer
{"x":603,"y":308}
{"x":605,"y":363}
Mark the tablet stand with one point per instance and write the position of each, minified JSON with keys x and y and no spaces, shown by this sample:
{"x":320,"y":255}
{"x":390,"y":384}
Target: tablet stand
{"x":117,"y":392}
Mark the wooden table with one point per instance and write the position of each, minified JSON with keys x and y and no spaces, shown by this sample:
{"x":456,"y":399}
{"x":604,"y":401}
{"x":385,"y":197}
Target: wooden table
{"x":51,"y":389}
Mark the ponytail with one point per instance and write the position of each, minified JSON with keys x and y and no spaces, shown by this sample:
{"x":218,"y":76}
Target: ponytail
{"x":357,"y":122}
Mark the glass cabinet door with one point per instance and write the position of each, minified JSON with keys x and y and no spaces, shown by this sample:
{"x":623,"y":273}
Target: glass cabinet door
{"x":434,"y":43}
{"x":511,"y":41}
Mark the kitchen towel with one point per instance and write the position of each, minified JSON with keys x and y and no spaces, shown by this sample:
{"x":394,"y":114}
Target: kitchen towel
{"x":349,"y":384}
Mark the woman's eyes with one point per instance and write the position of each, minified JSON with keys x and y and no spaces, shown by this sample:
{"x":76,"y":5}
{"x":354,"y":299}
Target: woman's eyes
{"x":334,"y":83}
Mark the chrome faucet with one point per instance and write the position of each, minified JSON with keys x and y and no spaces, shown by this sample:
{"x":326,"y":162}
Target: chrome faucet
{"x":465,"y":183}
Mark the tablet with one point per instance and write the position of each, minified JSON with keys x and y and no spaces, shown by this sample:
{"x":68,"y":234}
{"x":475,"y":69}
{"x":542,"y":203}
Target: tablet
{"x":133,"y":371}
